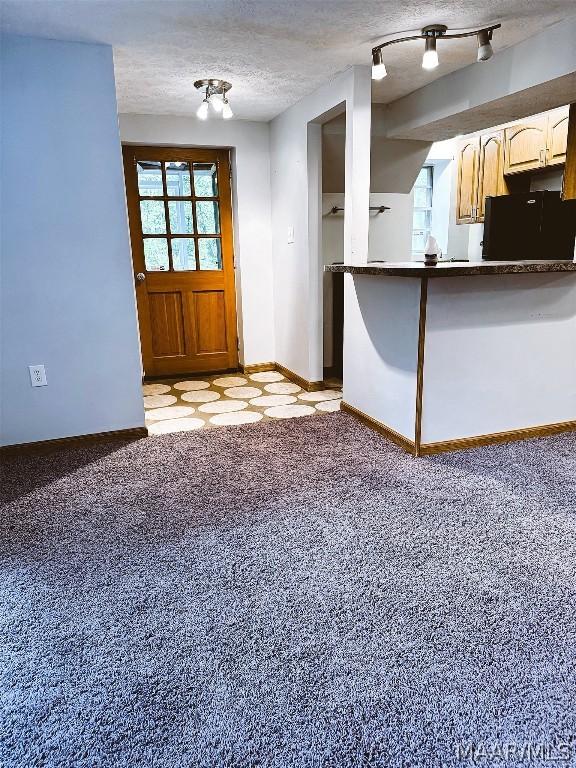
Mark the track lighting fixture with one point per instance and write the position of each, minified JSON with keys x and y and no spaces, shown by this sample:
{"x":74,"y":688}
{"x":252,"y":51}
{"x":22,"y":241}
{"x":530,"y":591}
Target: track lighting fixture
{"x":485,"y":51}
{"x":430,"y":57}
{"x":431,"y":34}
{"x":378,"y":66}
{"x":215,"y":97}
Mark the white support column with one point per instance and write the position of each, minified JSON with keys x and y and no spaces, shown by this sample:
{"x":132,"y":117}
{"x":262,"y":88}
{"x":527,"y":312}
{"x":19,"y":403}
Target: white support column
{"x":357,"y":167}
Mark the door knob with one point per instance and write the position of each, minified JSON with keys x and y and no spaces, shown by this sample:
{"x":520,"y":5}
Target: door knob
{"x":140,"y":277}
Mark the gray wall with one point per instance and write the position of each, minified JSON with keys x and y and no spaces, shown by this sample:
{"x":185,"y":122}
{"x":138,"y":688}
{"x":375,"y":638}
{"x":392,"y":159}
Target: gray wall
{"x":67,"y":286}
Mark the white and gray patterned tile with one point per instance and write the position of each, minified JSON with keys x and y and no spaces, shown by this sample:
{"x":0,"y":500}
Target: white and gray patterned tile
{"x":266,"y":376}
{"x":201,"y":396}
{"x":266,"y":401}
{"x":282,"y":388}
{"x":227,"y":400}
{"x":229,"y":381}
{"x":168,"y":426}
{"x":155,"y":389}
{"x":236,"y":417}
{"x":191,"y":385}
{"x":159,"y":401}
{"x":323,"y":394}
{"x":289,"y":411}
{"x":171,"y":412}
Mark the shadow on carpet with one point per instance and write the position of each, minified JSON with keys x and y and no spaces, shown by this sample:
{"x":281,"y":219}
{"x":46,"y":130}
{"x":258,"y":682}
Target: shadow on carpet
{"x":289,"y":594}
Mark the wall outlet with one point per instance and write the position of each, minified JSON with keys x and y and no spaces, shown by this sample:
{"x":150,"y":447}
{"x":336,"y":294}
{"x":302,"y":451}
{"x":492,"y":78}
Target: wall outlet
{"x":290,"y":234}
{"x":37,"y":375}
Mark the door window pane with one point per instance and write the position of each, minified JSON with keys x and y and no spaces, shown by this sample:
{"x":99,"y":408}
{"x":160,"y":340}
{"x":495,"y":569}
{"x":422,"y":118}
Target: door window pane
{"x":183,"y":254}
{"x":181,"y":222}
{"x":149,"y":178}
{"x":156,"y":254}
{"x":209,"y":253}
{"x":207,"y":217}
{"x":205,"y":180}
{"x":153,"y":217}
{"x":178,"y":179}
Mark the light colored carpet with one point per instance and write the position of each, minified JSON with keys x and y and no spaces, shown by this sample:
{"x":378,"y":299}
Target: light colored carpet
{"x":290,"y":593}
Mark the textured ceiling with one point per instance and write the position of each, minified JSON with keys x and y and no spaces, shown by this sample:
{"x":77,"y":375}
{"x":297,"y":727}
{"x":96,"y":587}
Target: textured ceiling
{"x":273,"y":51}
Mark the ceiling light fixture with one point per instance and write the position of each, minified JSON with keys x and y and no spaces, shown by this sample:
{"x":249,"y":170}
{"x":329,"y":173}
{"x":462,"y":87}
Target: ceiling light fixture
{"x":214,"y":96}
{"x":226,"y":109}
{"x":431,"y":34}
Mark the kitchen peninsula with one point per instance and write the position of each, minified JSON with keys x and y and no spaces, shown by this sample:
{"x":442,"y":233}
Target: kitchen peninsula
{"x":460,"y":354}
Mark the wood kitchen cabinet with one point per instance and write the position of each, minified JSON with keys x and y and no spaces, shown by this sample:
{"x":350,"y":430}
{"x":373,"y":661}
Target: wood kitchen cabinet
{"x":486,"y":163}
{"x":569,"y":185}
{"x":536,"y":143}
{"x":525,"y":145}
{"x":557,"y":137}
{"x":480,"y":173}
{"x":467,"y":197}
{"x":491,"y":182}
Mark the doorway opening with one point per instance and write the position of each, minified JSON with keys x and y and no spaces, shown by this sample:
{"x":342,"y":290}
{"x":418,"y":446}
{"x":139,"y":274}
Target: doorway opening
{"x":332,"y":225}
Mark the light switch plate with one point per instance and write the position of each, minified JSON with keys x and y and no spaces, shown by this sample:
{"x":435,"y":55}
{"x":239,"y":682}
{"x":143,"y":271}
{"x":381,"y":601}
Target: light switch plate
{"x":37,"y":375}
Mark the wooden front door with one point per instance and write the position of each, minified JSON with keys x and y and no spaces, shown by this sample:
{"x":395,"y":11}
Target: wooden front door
{"x":180,"y":213}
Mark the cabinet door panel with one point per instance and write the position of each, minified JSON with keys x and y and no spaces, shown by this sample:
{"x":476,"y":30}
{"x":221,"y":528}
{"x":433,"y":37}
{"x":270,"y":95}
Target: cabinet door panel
{"x":525,"y":148}
{"x":467,"y":201}
{"x":569,"y":185}
{"x":557,"y":136}
{"x":491,"y":181}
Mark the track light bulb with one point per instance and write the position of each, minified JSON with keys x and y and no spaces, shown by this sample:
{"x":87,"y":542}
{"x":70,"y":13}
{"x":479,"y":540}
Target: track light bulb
{"x":485,"y":51}
{"x":378,"y":66}
{"x":430,"y":58}
{"x":202,"y":111}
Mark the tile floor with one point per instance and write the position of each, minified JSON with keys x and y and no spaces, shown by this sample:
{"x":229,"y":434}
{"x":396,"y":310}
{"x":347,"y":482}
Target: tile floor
{"x":180,"y":405}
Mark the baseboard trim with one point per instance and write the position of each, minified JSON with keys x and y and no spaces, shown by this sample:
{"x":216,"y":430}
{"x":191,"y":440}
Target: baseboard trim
{"x":378,"y":426}
{"x":258,"y":367}
{"x":309,"y":386}
{"x":135,"y":433}
{"x":545,"y":430}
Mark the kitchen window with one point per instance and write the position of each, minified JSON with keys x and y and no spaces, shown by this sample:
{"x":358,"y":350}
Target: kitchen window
{"x":422,"y":217}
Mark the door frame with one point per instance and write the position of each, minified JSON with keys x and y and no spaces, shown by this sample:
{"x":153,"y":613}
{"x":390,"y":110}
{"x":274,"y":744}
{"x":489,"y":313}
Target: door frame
{"x":132,"y":152}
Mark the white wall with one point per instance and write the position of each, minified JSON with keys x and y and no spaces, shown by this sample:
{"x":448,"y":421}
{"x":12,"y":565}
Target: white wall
{"x":250,"y":143}
{"x":389,"y":239}
{"x":499,"y":354}
{"x":389,"y":233}
{"x":381,"y":348}
{"x":296,"y":150}
{"x":67,"y":284}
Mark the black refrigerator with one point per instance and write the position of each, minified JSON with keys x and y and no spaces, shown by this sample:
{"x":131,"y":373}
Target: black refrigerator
{"x":528,"y":226}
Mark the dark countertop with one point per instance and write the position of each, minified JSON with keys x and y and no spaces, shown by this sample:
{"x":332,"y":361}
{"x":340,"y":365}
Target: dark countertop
{"x":452,"y":268}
